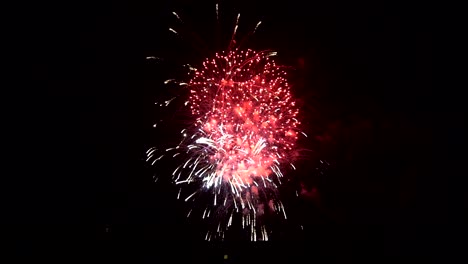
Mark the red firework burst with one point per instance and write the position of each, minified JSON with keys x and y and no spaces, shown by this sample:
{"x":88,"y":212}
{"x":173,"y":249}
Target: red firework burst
{"x":242,"y":135}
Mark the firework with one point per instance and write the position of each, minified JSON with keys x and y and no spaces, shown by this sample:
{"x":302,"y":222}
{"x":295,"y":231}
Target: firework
{"x":242,"y":137}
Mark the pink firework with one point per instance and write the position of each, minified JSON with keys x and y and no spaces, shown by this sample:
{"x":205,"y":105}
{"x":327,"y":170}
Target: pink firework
{"x":243,"y":135}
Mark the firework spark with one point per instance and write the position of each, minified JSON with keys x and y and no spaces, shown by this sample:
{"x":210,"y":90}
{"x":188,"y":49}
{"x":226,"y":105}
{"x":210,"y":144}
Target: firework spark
{"x":244,"y":132}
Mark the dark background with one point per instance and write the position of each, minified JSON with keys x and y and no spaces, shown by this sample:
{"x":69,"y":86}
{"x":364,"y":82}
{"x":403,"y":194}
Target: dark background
{"x":363,"y":76}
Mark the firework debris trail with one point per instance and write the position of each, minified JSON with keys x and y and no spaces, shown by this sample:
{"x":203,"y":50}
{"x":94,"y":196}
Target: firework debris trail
{"x":243,"y":134}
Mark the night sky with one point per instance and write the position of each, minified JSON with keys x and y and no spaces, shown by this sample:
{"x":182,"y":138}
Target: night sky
{"x":362,"y":75}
